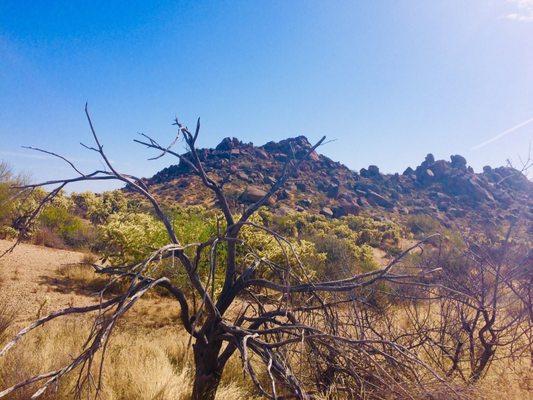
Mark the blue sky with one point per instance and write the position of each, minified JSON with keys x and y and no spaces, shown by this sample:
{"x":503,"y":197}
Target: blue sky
{"x":389,"y":80}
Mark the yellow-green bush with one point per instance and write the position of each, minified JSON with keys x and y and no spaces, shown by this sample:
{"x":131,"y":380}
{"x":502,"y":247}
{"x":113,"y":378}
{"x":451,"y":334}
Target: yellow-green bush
{"x":99,"y":207}
{"x":358,"y":229}
{"x":423,"y":225}
{"x":326,"y":248}
{"x":71,"y":229}
{"x":129,"y":237}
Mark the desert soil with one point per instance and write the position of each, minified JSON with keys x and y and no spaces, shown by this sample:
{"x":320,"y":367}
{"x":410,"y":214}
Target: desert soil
{"x":31,"y":285}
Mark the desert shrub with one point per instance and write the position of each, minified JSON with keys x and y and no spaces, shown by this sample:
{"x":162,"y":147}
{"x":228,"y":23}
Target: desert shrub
{"x":72,"y":230}
{"x":12,"y":208}
{"x":343,"y":258}
{"x":327,"y":248}
{"x":99,"y":207}
{"x":358,"y":229}
{"x":423,"y":225}
{"x":47,"y":237}
{"x":346,"y":241}
{"x":129,"y":237}
{"x":296,"y":251}
{"x":6,"y":203}
{"x":8,"y":232}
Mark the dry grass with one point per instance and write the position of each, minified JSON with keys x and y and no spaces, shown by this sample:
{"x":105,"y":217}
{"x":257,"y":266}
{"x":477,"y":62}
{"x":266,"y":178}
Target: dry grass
{"x":155,"y":364}
{"x":139,"y":365}
{"x":511,"y":380}
{"x":6,"y":319}
{"x":83,"y":276}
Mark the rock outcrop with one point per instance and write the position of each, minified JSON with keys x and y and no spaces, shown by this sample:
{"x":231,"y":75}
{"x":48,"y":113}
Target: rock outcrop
{"x":450,"y":189}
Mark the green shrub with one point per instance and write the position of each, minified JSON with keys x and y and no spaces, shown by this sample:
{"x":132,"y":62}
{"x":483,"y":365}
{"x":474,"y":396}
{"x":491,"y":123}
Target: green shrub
{"x":423,"y":225}
{"x":326,"y":248}
{"x":99,"y":207}
{"x":7,"y":232}
{"x":47,"y":237}
{"x":343,"y":257}
{"x":72,"y":230}
{"x":129,"y":237}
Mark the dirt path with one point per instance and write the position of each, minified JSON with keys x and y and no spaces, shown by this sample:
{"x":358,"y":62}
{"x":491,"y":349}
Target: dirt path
{"x":27,"y":278}
{"x":31,"y":285}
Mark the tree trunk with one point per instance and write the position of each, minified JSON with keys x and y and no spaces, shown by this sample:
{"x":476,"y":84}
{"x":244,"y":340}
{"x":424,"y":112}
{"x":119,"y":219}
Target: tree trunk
{"x":208,"y":370}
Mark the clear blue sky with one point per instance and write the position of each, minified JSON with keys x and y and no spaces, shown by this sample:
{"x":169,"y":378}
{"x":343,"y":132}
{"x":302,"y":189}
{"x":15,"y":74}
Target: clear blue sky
{"x":390,"y":80}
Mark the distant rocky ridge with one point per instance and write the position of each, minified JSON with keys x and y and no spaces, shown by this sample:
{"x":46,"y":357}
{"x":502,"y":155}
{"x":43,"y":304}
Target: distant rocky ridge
{"x":450,"y":190}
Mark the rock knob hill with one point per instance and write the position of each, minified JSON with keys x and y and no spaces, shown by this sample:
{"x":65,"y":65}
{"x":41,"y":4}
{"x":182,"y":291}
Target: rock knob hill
{"x":449,"y":190}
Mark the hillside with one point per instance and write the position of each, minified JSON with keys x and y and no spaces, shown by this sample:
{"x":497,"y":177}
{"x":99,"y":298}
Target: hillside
{"x":449,"y":190}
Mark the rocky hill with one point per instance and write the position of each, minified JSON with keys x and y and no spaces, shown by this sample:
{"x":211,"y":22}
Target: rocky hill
{"x":449,"y":190}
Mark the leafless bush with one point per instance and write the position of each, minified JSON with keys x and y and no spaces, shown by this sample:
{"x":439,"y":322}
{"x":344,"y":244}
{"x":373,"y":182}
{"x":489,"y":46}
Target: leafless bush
{"x":47,"y":237}
{"x":484,"y":308}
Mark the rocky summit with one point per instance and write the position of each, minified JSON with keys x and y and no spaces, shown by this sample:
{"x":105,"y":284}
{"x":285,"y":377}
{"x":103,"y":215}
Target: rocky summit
{"x":449,"y":190}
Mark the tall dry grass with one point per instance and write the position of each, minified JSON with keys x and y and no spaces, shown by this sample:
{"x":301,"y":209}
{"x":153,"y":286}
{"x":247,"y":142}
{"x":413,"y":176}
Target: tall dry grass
{"x":140,"y":365}
{"x":156,"y":364}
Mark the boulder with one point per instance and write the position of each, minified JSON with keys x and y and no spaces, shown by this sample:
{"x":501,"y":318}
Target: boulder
{"x":261,"y":154}
{"x":346,"y":208}
{"x":373,"y":170}
{"x":228,"y":144}
{"x":252,"y":194}
{"x":297,"y":147}
{"x":365,"y":186}
{"x":440,"y":168}
{"x":333,"y":191}
{"x":326,"y":211}
{"x":281,"y":157}
{"x":313,"y":156}
{"x":378,"y":199}
{"x":284,"y":194}
{"x":424,"y":175}
{"x":243,"y":176}
{"x":458,"y":162}
{"x":301,"y":186}
{"x":305,"y":202}
{"x":408,"y":171}
{"x":429,"y":160}
{"x":269,"y":180}
{"x":363,"y":202}
{"x":467,"y":186}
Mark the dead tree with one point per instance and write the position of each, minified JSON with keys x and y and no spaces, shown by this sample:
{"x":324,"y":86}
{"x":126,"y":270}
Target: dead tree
{"x":281,"y":321}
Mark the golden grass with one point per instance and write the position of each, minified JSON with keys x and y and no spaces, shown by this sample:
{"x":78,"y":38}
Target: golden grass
{"x":509,"y":380}
{"x":149,"y":357}
{"x":83,"y":276}
{"x":155,"y":364}
{"x":139,"y":365}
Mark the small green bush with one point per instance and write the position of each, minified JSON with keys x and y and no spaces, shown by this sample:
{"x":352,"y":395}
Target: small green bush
{"x":7,"y":232}
{"x":423,"y":225}
{"x":71,"y":229}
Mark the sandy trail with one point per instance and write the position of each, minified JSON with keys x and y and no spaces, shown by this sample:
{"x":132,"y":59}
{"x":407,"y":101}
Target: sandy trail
{"x":31,"y":285}
{"x":29,"y":281}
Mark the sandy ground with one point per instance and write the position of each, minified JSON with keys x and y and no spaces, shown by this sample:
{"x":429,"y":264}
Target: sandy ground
{"x":29,"y":281}
{"x":31,"y":285}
